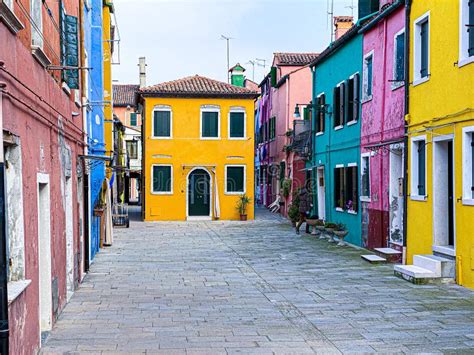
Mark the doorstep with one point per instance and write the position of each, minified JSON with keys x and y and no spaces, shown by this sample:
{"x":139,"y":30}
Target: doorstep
{"x":373,"y":259}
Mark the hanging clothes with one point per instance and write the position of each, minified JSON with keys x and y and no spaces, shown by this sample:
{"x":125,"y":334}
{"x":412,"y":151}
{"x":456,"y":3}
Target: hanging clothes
{"x":109,"y":231}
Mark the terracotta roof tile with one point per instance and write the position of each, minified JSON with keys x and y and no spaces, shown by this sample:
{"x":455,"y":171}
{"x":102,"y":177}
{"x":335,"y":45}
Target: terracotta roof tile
{"x":295,"y":58}
{"x":124,"y":94}
{"x":198,"y":86}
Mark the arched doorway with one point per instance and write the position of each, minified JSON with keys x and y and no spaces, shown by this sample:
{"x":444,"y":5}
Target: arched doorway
{"x":199,"y":193}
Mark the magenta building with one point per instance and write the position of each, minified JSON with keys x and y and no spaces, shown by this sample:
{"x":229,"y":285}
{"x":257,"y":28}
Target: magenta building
{"x":382,"y":131}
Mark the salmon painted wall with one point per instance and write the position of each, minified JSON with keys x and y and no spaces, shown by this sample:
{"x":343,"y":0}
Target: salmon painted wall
{"x":185,"y":148}
{"x":123,"y":115}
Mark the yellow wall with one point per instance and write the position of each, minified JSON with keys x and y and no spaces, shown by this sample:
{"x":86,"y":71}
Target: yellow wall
{"x":442,"y":100}
{"x":107,"y":48}
{"x":186,"y":148}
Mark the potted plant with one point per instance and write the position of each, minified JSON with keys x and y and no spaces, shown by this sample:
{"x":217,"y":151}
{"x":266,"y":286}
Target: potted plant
{"x":293,"y":214}
{"x":340,"y":231}
{"x":320,"y":227}
{"x":286,"y":187}
{"x":311,"y":221}
{"x":242,"y":204}
{"x":329,"y":228}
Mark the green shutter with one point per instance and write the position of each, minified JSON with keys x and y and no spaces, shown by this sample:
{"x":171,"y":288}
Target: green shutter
{"x":162,"y":179}
{"x":237,"y":124}
{"x":162,"y":124}
{"x":369,"y":76}
{"x":400,"y":58}
{"x":235,"y":179}
{"x":133,"y":119}
{"x":335,"y":106}
{"x":345,"y":102}
{"x":421,"y":168}
{"x":210,"y":124}
{"x":424,"y":49}
{"x":282,"y":172}
{"x":273,"y":76}
{"x":356,"y":99}
{"x":69,"y":45}
{"x":470,"y":28}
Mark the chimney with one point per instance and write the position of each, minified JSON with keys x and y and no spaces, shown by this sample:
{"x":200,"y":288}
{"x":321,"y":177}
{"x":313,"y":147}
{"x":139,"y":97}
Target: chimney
{"x":142,"y":66}
{"x":342,"y":24}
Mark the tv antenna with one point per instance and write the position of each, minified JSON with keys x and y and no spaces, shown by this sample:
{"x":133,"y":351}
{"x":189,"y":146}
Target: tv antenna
{"x":252,"y":62}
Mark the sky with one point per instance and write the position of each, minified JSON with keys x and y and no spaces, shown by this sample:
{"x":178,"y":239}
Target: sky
{"x":180,"y":38}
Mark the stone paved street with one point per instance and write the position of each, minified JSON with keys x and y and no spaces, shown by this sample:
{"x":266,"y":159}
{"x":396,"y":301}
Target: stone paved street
{"x":253,"y":288}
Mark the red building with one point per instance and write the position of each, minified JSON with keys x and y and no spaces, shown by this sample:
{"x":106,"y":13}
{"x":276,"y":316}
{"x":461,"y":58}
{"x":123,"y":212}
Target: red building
{"x":42,"y":140}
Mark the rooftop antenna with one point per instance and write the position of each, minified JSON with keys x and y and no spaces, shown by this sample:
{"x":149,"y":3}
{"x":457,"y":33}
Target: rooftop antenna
{"x":252,"y":62}
{"x":227,"y":39}
{"x":261,"y":62}
{"x":330,"y":12}
{"x":352,"y":7}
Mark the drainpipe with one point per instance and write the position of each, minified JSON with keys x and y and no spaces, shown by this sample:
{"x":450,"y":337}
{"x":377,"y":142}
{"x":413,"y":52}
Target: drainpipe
{"x":407,"y":110}
{"x":382,"y":136}
{"x":4,"y":332}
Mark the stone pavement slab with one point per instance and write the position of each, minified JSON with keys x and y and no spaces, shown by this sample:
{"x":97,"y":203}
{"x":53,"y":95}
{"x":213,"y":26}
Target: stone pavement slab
{"x":252,"y":288}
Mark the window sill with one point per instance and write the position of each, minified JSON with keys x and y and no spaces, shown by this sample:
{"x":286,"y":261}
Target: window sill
{"x":465,"y":61}
{"x":352,"y":212}
{"x":351,"y":123}
{"x":9,"y":18}
{"x":40,"y":56}
{"x":339,"y":209}
{"x":337,"y":128}
{"x":66,"y":88}
{"x":157,"y":138}
{"x":319,"y":134}
{"x":396,"y":86}
{"x":367,"y":99}
{"x":16,"y":288}
{"x":162,"y":193}
{"x":238,"y":138}
{"x":418,"y":198}
{"x":446,"y":250}
{"x":210,"y":138}
{"x":365,"y":199}
{"x":468,"y":201}
{"x":420,"y":81}
{"x":237,"y":193}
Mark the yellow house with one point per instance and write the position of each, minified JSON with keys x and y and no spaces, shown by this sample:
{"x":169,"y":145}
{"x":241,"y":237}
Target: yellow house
{"x":107,"y":37}
{"x":440,"y":216}
{"x":198,"y":154}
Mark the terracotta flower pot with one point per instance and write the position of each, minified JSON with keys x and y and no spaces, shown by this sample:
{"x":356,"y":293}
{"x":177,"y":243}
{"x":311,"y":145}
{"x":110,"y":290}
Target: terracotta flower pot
{"x":341,"y":235}
{"x":98,"y":212}
{"x":243,"y":217}
{"x":311,"y":222}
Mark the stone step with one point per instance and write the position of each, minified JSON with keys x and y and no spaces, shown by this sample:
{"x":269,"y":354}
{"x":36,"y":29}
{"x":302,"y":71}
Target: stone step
{"x":373,"y":259}
{"x":414,"y":274}
{"x":440,"y":266}
{"x":390,"y":254}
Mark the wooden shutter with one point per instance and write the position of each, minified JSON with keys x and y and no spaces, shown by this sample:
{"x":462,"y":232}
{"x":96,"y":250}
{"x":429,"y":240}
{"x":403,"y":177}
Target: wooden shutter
{"x":273,"y":76}
{"x":282,"y":172}
{"x":424,"y":49}
{"x":355,"y":107}
{"x":322,"y":112}
{"x":235,"y":179}
{"x":161,"y":124}
{"x":421,"y":168}
{"x":305,"y":113}
{"x":470,"y":28}
{"x":237,"y":124}
{"x":133,"y":119}
{"x":342,"y":103}
{"x":335,"y":106}
{"x":161,"y":179}
{"x":69,"y":44}
{"x":400,"y":58}
{"x":369,"y":75}
{"x":210,"y":124}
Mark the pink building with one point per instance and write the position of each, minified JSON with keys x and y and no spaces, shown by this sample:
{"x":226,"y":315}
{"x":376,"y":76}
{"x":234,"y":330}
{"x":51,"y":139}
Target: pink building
{"x":382,"y":130}
{"x":286,"y":86}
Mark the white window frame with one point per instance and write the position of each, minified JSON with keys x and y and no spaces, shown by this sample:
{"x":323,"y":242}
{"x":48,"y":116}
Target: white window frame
{"x":225,"y":179}
{"x":397,"y":84}
{"x":36,"y":23}
{"x":353,"y":122}
{"x":362,"y":157}
{"x":417,"y":79}
{"x":341,"y":102}
{"x":464,"y":58}
{"x":365,"y":77}
{"x":414,"y":169}
{"x":467,"y":161}
{"x":237,"y":109}
{"x":9,"y":4}
{"x":210,"y":108}
{"x":171,"y":177}
{"x":160,"y":108}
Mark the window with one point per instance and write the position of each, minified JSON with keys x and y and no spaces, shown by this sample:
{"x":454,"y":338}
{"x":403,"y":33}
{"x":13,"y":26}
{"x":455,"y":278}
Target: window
{"x":338,"y":106}
{"x":468,"y":165}
{"x":352,"y":100}
{"x":339,"y":187}
{"x":161,"y":122}
{"x":351,"y":189}
{"x":365,"y":177}
{"x":368,"y":64}
{"x":272,"y":132}
{"x":320,"y":113}
{"x":132,"y":149}
{"x":37,"y":23}
{"x":162,"y":179}
{"x":237,"y":124}
{"x":399,"y":60}
{"x":466,"y":32}
{"x":133,"y":119}
{"x":282,"y":173}
{"x":210,"y":123}
{"x":418,"y":168}
{"x":421,"y":50}
{"x":235,"y":179}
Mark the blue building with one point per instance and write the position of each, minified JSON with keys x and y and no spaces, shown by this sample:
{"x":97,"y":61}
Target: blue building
{"x":336,"y":129}
{"x":93,"y":44}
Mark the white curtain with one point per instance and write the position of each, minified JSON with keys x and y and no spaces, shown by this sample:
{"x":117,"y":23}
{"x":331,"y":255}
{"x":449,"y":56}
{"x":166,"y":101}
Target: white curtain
{"x":217,"y":208}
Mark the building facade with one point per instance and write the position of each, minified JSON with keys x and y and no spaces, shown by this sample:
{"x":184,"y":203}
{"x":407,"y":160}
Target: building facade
{"x":197,"y":149}
{"x":40,"y":106}
{"x":383,"y":128}
{"x":441,"y":136}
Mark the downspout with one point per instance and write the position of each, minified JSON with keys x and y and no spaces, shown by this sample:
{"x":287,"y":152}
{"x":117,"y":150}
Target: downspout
{"x":314,"y":182}
{"x":382,"y":137}
{"x":407,"y":110}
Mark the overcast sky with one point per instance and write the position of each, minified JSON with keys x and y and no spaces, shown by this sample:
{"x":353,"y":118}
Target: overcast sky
{"x":181,"y":37}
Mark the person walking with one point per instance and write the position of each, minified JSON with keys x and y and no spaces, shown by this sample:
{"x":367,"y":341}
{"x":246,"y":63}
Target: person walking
{"x":304,"y":207}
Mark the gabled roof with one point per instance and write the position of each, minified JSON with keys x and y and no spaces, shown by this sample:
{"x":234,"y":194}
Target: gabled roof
{"x":237,"y":67}
{"x":124,"y":94}
{"x":291,"y":59}
{"x":197,"y":86}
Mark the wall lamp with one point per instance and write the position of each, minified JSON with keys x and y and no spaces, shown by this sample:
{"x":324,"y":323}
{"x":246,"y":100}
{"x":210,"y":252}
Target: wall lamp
{"x":297,"y":114}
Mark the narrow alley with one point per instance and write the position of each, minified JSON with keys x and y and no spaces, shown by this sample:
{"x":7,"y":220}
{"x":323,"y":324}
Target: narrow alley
{"x":253,"y":288}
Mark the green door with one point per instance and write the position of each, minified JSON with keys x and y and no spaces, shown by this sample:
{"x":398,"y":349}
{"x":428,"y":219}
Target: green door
{"x":199,"y":197}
